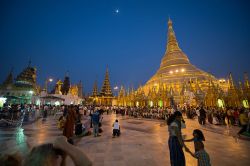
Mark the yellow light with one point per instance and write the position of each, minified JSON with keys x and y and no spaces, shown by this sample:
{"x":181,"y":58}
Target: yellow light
{"x":171,"y":72}
{"x":182,"y":70}
{"x":177,"y":71}
{"x":245,"y":103}
{"x":151,"y":104}
{"x":222,"y":80}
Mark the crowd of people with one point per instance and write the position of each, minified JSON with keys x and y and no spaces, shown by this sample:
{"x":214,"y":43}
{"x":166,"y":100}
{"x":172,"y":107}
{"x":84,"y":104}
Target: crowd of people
{"x":213,"y":115}
{"x":70,"y":121}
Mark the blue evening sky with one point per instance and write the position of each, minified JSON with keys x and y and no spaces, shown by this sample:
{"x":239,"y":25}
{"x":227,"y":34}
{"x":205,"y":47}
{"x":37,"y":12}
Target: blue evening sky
{"x":85,"y":36}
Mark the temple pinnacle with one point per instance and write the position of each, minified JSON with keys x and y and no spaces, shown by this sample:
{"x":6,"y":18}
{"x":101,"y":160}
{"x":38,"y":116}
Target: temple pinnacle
{"x":172,"y":44}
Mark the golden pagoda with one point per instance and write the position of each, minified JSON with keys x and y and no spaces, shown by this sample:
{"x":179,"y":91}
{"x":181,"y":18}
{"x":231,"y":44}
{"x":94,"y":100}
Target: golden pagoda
{"x":183,"y":81}
{"x":176,"y":68}
{"x":106,"y":89}
{"x":179,"y":81}
{"x":211,"y":96}
{"x":105,"y":97}
{"x":95,"y":90}
{"x":232,"y":98}
{"x":121,"y":97}
{"x":246,"y":92}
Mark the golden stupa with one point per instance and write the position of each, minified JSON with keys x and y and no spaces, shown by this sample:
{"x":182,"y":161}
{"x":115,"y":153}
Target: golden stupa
{"x":178,"y":81}
{"x":175,"y":68}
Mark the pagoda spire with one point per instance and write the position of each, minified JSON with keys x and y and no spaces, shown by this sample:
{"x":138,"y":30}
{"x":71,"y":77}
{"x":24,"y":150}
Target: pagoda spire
{"x":95,"y":89}
{"x":233,"y":96}
{"x":172,"y":44}
{"x":231,"y":82}
{"x":246,"y":80}
{"x":122,"y":92}
{"x":106,"y":88}
{"x":9,"y":79}
{"x":240,"y":88}
{"x":29,"y":63}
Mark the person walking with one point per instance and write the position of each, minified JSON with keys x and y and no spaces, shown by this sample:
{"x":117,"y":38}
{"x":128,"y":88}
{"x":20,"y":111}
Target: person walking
{"x":96,"y":121}
{"x":68,"y":130}
{"x":202,"y":116}
{"x":243,"y":122}
{"x":175,"y":141}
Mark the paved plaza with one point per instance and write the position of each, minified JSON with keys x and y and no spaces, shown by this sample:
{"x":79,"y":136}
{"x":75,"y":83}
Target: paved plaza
{"x":142,"y":142}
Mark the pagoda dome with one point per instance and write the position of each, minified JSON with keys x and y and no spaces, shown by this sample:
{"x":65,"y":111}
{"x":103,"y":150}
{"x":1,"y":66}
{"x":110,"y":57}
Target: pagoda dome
{"x":175,"y":66}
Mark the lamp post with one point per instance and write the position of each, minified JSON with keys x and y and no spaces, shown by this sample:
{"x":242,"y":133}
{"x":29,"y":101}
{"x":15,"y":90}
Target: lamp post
{"x":46,"y":83}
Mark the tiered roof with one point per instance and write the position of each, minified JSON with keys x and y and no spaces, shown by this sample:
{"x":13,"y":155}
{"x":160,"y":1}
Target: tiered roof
{"x":106,"y":88}
{"x":27,"y":77}
{"x":8,"y":80}
{"x":95,"y":90}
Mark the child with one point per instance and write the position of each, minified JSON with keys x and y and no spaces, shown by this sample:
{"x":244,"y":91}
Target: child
{"x":200,"y":153}
{"x":198,"y":137}
{"x":116,"y":129}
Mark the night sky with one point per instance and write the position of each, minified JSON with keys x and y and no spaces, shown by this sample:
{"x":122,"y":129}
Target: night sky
{"x":85,"y":36}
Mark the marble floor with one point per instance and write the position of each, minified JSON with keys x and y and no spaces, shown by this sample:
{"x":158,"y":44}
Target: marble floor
{"x":142,"y":142}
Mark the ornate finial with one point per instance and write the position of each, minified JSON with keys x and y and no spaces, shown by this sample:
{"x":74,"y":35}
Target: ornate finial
{"x":95,"y":89}
{"x":246,"y":81}
{"x":169,"y":21}
{"x":29,"y":63}
{"x":231,"y":82}
{"x":9,"y":79}
{"x":172,"y":44}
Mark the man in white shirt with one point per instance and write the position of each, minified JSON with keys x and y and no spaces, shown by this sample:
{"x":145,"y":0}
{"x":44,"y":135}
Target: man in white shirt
{"x":116,"y":128}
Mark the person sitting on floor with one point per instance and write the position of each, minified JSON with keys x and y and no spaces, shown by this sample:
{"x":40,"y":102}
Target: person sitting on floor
{"x":116,"y":128}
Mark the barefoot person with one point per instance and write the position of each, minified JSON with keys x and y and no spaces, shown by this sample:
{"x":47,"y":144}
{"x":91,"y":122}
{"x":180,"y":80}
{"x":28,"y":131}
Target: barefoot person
{"x":68,"y":130}
{"x":175,"y":141}
{"x":200,"y":153}
{"x":197,"y":138}
{"x":96,"y":122}
{"x":116,"y":129}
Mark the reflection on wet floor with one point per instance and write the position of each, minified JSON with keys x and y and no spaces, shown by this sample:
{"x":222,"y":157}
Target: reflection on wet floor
{"x":142,"y":142}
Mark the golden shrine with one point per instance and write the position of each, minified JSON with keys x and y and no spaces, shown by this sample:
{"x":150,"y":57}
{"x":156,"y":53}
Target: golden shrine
{"x":105,"y":97}
{"x":179,"y":81}
{"x":74,"y":89}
